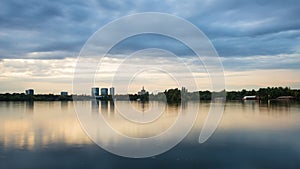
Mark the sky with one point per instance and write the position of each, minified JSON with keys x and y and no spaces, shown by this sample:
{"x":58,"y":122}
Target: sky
{"x":258,"y":42}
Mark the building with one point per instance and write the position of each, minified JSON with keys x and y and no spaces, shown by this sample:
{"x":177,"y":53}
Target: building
{"x":184,"y":90}
{"x":250,"y":98}
{"x":112,"y":91}
{"x":142,"y":92}
{"x":104,"y":91}
{"x":29,"y":92}
{"x":64,"y":93}
{"x":95,"y":91}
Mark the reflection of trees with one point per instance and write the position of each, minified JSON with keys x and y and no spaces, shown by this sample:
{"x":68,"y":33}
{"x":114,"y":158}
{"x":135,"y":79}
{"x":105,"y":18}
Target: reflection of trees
{"x":273,"y":108}
{"x":276,"y":108}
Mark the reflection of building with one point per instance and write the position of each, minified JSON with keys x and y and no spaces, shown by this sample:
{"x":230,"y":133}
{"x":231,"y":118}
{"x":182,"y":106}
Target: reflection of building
{"x":64,"y":93}
{"x":29,"y":106}
{"x":95,"y":91}
{"x":29,"y":92}
{"x":142,"y":92}
{"x":104,"y":91}
{"x":104,"y":107}
{"x":95,"y":106}
{"x":64,"y":105}
{"x":112,"y":107}
{"x":112,"y":92}
{"x":285,"y":98}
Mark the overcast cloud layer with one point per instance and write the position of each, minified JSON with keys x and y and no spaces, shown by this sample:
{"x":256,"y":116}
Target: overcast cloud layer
{"x":236,"y":28}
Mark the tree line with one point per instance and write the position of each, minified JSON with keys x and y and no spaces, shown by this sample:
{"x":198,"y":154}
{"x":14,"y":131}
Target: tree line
{"x":264,"y":94}
{"x":39,"y":97}
{"x":170,"y":95}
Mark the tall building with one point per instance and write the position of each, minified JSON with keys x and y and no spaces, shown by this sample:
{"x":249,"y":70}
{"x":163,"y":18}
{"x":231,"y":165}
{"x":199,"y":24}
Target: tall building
{"x":184,"y":90}
{"x":104,"y":91}
{"x":64,"y":93}
{"x":112,"y":91}
{"x":95,"y":91}
{"x":29,"y":92}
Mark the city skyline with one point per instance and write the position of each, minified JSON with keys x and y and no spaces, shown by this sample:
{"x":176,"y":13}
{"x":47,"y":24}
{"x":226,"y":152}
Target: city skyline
{"x":141,"y":91}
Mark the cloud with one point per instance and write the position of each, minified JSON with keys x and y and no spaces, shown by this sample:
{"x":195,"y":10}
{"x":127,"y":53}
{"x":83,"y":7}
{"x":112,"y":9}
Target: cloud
{"x":236,"y":28}
{"x":146,"y":41}
{"x":56,"y":74}
{"x":42,"y":26}
{"x":269,"y":44}
{"x":261,"y":62}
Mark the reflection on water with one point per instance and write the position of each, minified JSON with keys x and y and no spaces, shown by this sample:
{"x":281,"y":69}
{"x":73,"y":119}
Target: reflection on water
{"x":250,"y":134}
{"x":27,"y":125}
{"x":95,"y":106}
{"x":29,"y":106}
{"x":104,"y":107}
{"x":64,"y":105}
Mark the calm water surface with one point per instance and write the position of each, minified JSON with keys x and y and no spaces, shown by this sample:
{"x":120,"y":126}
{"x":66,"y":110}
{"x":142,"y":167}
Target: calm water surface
{"x":250,"y":136}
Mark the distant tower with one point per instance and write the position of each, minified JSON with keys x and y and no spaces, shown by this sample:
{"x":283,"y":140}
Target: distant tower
{"x":95,"y":91}
{"x":143,"y":91}
{"x":184,"y":93}
{"x":112,"y":91}
{"x":184,"y":90}
{"x":29,"y":92}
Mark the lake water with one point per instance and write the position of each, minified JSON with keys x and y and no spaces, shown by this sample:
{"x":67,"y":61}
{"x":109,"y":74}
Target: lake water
{"x":250,"y":136}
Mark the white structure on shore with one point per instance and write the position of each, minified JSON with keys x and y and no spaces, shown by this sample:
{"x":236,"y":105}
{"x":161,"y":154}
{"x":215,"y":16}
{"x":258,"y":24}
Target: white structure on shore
{"x":250,"y":98}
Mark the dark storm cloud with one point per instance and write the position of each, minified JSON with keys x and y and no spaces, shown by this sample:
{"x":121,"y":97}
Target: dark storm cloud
{"x":236,"y":28}
{"x":240,"y":28}
{"x":42,"y":26}
{"x":247,"y":18}
{"x":145,"y":41}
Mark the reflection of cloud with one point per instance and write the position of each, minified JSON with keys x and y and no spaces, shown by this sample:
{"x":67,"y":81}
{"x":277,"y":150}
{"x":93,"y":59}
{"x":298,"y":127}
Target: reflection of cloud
{"x":42,"y":128}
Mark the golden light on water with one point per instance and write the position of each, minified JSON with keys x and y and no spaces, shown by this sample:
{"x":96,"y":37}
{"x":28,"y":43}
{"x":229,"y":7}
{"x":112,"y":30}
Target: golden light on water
{"x":26,"y":126}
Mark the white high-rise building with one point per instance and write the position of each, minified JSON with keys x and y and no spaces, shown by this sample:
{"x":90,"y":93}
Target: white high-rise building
{"x":112,"y":91}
